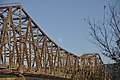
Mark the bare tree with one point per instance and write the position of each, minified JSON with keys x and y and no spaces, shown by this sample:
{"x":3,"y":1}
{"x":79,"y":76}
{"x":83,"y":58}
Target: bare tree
{"x":106,"y":33}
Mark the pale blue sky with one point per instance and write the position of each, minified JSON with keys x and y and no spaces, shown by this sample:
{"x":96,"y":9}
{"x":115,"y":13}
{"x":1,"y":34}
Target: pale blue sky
{"x":63,"y":21}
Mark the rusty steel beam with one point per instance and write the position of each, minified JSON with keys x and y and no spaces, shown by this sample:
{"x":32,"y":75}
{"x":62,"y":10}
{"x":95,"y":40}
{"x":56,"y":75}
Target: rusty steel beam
{"x":26,"y":49}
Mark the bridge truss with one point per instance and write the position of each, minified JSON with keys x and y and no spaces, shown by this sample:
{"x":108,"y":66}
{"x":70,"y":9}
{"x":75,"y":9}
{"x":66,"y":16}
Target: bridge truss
{"x":26,"y":49}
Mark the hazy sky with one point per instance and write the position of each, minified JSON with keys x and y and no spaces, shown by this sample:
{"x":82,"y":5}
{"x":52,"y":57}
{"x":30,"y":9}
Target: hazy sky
{"x":63,"y":21}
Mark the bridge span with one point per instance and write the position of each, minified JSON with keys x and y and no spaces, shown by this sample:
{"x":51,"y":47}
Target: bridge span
{"x":25,"y":49}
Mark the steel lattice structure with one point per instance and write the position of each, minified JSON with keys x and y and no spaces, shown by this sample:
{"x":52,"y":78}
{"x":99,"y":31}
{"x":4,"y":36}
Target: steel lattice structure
{"x":91,"y":67}
{"x":26,"y":49}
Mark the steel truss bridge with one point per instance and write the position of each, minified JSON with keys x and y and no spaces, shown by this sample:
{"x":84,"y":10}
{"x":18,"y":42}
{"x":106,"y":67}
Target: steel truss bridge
{"x":25,"y":49}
